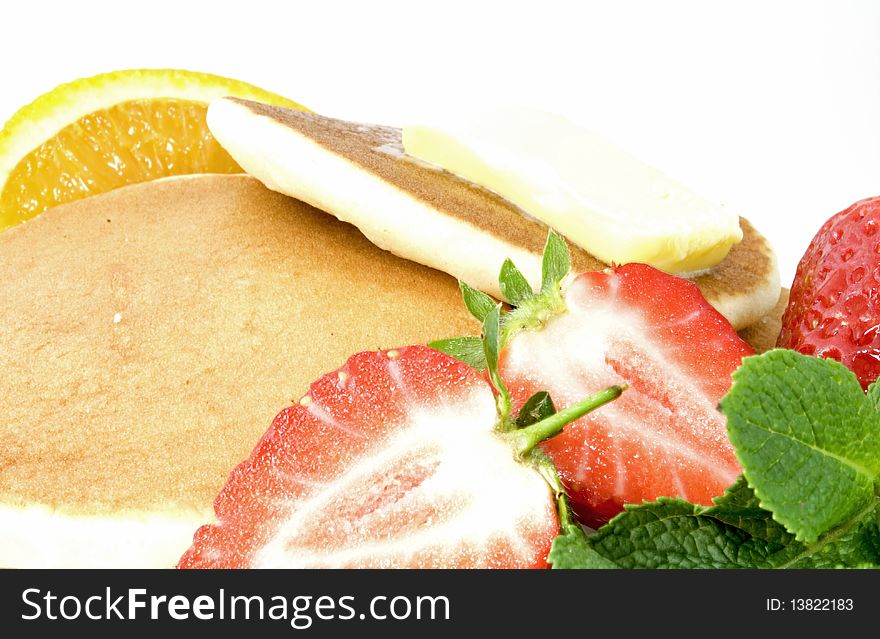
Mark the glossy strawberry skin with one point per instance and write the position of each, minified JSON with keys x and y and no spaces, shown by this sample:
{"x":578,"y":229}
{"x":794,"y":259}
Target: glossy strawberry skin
{"x":664,"y":436}
{"x":834,"y":305}
{"x":391,"y":461}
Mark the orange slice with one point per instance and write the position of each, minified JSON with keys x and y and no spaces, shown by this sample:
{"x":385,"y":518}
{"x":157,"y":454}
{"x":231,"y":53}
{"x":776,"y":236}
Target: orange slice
{"x":97,"y":134}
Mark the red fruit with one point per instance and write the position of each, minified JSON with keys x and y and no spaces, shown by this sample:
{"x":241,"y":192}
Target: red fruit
{"x":834,"y":306}
{"x":664,"y":436}
{"x":391,"y":461}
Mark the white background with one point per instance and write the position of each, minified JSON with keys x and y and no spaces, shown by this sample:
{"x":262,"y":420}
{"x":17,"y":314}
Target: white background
{"x":772,"y":108}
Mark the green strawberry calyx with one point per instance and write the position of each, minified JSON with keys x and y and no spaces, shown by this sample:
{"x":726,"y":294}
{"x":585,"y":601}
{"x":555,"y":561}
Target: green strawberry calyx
{"x":537,"y":419}
{"x":530,"y":310}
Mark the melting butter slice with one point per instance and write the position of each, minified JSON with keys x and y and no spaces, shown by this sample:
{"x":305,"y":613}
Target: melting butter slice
{"x":594,"y":193}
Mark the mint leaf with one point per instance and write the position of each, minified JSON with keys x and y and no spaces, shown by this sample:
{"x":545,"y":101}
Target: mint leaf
{"x":571,"y":549}
{"x":465,"y":349}
{"x":874,"y":395}
{"x":671,"y":533}
{"x":734,"y":533}
{"x":807,"y":437}
{"x":478,"y":303}
{"x":739,"y":507}
{"x":809,"y":442}
{"x":556,"y":262}
{"x":854,"y":545}
{"x":663,"y":534}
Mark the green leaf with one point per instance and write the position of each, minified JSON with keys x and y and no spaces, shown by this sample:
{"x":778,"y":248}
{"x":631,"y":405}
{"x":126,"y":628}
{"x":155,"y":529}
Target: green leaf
{"x":874,"y":395}
{"x":807,"y":437}
{"x":671,"y":533}
{"x":739,"y":507}
{"x":513,"y":284}
{"x":809,"y":442}
{"x":556,"y":263}
{"x":667,"y":533}
{"x":734,"y":533}
{"x":856,"y":545}
{"x":572,"y":550}
{"x":491,"y":347}
{"x":536,"y":408}
{"x":465,"y":349}
{"x":478,"y":303}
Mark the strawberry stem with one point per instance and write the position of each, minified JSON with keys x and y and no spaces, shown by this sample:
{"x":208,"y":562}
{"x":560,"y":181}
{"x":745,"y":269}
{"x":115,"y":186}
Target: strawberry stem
{"x":525,"y":439}
{"x":544,"y":465}
{"x":564,"y":512}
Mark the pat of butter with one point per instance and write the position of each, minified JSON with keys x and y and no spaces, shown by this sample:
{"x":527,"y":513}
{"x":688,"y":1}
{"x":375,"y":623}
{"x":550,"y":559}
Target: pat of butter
{"x":591,"y":191}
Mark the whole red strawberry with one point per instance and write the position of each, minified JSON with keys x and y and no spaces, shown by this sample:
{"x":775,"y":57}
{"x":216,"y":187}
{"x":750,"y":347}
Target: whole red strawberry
{"x":834,"y":307}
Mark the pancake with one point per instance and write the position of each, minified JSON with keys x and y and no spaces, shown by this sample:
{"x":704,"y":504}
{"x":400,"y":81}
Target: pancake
{"x":151,"y":334}
{"x":430,"y":216}
{"x":762,"y":335}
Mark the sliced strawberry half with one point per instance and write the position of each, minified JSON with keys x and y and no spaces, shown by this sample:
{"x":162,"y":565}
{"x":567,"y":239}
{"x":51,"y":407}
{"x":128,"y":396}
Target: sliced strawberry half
{"x":394,"y":460}
{"x":630,"y":325}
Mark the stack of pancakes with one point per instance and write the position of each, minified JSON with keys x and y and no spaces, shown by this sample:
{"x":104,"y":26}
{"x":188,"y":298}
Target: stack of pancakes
{"x":152,"y":333}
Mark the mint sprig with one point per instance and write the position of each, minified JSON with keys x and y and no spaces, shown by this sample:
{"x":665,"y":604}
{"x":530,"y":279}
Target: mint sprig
{"x":807,"y":437}
{"x":809,"y":497}
{"x":734,"y":533}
